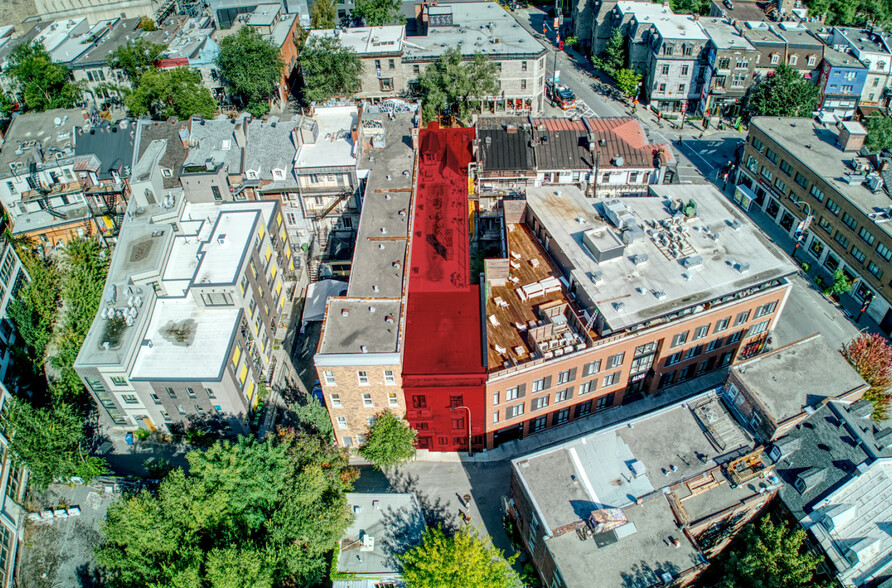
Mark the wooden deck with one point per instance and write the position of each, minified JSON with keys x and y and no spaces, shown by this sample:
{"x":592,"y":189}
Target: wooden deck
{"x":506,"y":334}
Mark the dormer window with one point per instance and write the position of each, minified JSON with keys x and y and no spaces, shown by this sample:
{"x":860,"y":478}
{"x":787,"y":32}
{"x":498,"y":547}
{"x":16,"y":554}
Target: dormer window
{"x":792,"y":60}
{"x":812,"y":60}
{"x":251,"y":174}
{"x":278,"y":174}
{"x":775,"y":58}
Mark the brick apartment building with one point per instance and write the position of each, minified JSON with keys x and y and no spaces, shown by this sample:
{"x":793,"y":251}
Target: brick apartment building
{"x":795,"y":169}
{"x":586,"y":305}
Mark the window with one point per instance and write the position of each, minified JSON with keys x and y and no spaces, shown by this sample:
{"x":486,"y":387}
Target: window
{"x":419,"y":401}
{"x":495,"y":417}
{"x":825,"y":224}
{"x":741,"y":63}
{"x":858,"y":254}
{"x":539,"y":385}
{"x":190,"y":392}
{"x":539,"y":403}
{"x":884,"y":251}
{"x":793,"y":59}
{"x":130,"y":399}
{"x":392,"y":399}
{"x":377,"y":64}
{"x":155,"y":399}
{"x":713,"y":345}
{"x":757,"y":144}
{"x":386,"y":84}
{"x":693,"y":352}
{"x":667,"y":49}
{"x":523,"y":66}
{"x":367,"y":400}
{"x":389,"y":378}
{"x":725,"y":63}
{"x":758,"y":328}
{"x":667,"y":380}
{"x":591,"y":368}
{"x":342,"y":422}
{"x":767,"y":173}
{"x":611,"y":379}
{"x":874,"y":269}
{"x":512,"y":393}
{"x":663,"y":88}
{"x":456,"y":401}
{"x":119,"y":381}
{"x":335,"y":400}
{"x":537,"y":425}
{"x":181,"y":409}
{"x":849,"y":221}
{"x":771,"y":156}
{"x":615,"y":360}
{"x":562,"y":395}
{"x":866,"y":236}
{"x":841,"y":239}
{"x":603,"y":402}
{"x":680,"y":339}
{"x":738,"y":80}
{"x":665,"y":69}
{"x":722,"y":324}
{"x":673,"y":359}
{"x":786,"y":167}
{"x":210,"y":393}
{"x":391,"y":64}
{"x":646,"y":348}
{"x":416,"y":69}
{"x":752,"y":164}
{"x":561,"y":417}
{"x":847,"y":90}
{"x":688,"y":50}
{"x":458,"y":423}
{"x":514,"y":411}
{"x":329,"y":377}
{"x":701,"y":332}
{"x":765,"y":309}
{"x":563,"y":377}
{"x":816,"y":248}
{"x":363,"y":377}
{"x":523,"y":84}
{"x":681,"y":88}
{"x":171,"y":393}
{"x":801,"y":180}
{"x":832,"y":207}
{"x":742,"y":318}
{"x":590,"y":386}
{"x":735,"y":337}
{"x":811,"y":60}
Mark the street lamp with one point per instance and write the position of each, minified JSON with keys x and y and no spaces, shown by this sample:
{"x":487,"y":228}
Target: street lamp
{"x":470,"y":450}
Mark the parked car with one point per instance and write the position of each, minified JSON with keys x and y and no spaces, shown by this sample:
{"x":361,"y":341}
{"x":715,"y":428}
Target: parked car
{"x":562,"y":96}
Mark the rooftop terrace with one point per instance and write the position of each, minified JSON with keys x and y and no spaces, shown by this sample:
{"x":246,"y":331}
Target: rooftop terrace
{"x":335,"y":145}
{"x":663,"y":262}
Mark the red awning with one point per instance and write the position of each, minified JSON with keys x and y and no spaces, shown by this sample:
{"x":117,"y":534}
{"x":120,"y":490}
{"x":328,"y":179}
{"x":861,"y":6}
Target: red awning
{"x":174,"y":62}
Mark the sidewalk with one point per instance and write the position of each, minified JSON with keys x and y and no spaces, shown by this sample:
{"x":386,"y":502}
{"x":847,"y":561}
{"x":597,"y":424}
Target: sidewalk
{"x":582,"y":426}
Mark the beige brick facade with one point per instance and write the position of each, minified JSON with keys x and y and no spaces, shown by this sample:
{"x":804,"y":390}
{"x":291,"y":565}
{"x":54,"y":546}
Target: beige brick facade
{"x":351,"y":402}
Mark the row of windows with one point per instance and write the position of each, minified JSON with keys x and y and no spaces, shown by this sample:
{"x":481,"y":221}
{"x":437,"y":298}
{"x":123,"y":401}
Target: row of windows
{"x":392,"y":400}
{"x":561,"y":416}
{"x":362,"y":377}
{"x":190,"y":392}
{"x":695,"y":369}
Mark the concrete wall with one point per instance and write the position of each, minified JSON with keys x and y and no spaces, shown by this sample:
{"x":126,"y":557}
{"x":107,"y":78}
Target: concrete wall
{"x":199,"y":187}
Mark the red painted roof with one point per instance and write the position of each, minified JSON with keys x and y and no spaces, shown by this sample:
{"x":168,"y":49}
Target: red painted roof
{"x":443,"y":328}
{"x":172,"y":62}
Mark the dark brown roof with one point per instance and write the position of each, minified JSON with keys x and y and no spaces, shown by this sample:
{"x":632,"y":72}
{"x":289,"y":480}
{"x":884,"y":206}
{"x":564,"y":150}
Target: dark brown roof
{"x":174,"y":155}
{"x":505,"y":144}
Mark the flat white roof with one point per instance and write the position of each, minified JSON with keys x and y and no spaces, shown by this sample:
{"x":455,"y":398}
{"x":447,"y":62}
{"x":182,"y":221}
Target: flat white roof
{"x":717,"y":253}
{"x":55,"y":33}
{"x":367,"y":40}
{"x":188,"y":341}
{"x":223,"y":253}
{"x":335,"y":146}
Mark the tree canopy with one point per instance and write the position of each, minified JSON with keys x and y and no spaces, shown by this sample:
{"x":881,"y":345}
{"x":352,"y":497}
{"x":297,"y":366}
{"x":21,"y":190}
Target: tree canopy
{"x":33,"y":309}
{"x":451,"y":84}
{"x":613,"y":58}
{"x":871,"y":356}
{"x":857,"y":13}
{"x":177,"y":91}
{"x":323,"y":14}
{"x":879,"y":132}
{"x":376,"y":13}
{"x":786,"y":93}
{"x":464,"y":559}
{"x":136,"y":58}
{"x":328,"y":69}
{"x":390,"y":441}
{"x":248,"y":514}
{"x":627,"y":81}
{"x":768,"y":555}
{"x":690,"y":6}
{"x":42,"y":84}
{"x":251,"y":68}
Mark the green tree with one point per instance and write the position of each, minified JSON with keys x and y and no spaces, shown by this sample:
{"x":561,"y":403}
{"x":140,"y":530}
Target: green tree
{"x":328,"y":69}
{"x":769,"y":556}
{"x":247,"y":514}
{"x":451,"y":83}
{"x":689,"y":6}
{"x":323,"y":14}
{"x":136,"y":58}
{"x":390,"y":441}
{"x":33,"y":309}
{"x":251,"y":68}
{"x":613,"y":58}
{"x":841,"y":284}
{"x":313,"y":419}
{"x":465,"y":559}
{"x":627,"y":81}
{"x":856,"y":13}
{"x":879,"y":133}
{"x":178,"y":91}
{"x":49,"y":441}
{"x":786,"y":93}
{"x":376,"y":13}
{"x":42,"y":84}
